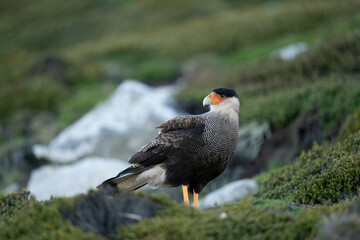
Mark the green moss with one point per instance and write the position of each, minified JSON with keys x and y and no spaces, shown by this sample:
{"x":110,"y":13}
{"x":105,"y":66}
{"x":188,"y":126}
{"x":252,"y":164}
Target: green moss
{"x":322,"y":174}
{"x":351,"y":125}
{"x":243,"y":220}
{"x":280,"y":107}
{"x":40,"y":221}
{"x":266,"y":203}
{"x":14,"y":201}
{"x":157,"y":71}
{"x":334,"y":98}
{"x":22,"y":217}
{"x":180,"y":222}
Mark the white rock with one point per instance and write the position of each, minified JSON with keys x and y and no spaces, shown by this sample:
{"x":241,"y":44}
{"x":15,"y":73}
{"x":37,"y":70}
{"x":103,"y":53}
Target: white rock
{"x":223,"y":215}
{"x":69,"y":180}
{"x":115,"y":128}
{"x":291,"y":51}
{"x":233,"y":191}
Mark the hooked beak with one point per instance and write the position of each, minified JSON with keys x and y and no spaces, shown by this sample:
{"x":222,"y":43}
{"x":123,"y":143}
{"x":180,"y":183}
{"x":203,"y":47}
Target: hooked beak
{"x":207,"y":101}
{"x":213,"y":98}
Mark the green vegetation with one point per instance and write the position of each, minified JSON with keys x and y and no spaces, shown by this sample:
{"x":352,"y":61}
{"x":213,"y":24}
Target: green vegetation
{"x":59,"y":59}
{"x":24,"y":218}
{"x":351,"y":125}
{"x":243,"y":220}
{"x":14,"y":201}
{"x":326,"y":77}
{"x":334,"y":97}
{"x":329,"y":173}
{"x":152,"y":47}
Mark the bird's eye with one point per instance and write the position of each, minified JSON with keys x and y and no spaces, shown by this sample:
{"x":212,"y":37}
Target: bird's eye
{"x":222,"y":96}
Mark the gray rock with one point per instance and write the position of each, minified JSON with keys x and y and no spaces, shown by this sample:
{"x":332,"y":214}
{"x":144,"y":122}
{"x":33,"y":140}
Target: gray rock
{"x":104,"y":215}
{"x":69,"y":180}
{"x":115,"y":128}
{"x":233,"y":191}
{"x":14,"y":187}
{"x":307,"y":130}
{"x":251,"y":138}
{"x":339,"y":226}
{"x":16,"y":164}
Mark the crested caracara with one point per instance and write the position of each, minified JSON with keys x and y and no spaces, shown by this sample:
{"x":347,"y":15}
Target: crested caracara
{"x":189,"y":150}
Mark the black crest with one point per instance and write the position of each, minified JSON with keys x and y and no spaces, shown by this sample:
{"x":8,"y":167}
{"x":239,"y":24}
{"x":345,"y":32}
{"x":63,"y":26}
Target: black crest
{"x":227,"y":92}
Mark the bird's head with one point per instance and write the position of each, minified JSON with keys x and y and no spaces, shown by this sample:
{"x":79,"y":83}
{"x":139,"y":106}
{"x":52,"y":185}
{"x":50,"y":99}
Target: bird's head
{"x":222,"y":99}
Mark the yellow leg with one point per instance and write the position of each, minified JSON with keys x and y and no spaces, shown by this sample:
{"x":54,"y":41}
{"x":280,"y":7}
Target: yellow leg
{"x":185,"y":194}
{"x":196,"y":198}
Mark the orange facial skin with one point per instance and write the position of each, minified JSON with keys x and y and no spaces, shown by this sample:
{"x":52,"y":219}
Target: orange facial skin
{"x":215,"y":98}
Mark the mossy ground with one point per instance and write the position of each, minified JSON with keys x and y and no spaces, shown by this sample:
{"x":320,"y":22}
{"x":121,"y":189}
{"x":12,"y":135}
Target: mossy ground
{"x":351,"y":125}
{"x":243,"y":220}
{"x":25,"y":218}
{"x":323,"y":174}
{"x":248,"y":219}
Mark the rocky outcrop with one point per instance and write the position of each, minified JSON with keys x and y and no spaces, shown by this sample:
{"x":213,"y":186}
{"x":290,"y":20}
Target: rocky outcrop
{"x":69,"y":180}
{"x":251,"y":137}
{"x":104,"y":215}
{"x":115,"y":128}
{"x":307,"y":129}
{"x":16,"y":164}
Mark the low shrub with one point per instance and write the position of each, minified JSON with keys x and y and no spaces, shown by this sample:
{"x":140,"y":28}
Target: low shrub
{"x":322,"y":174}
{"x":241,"y":220}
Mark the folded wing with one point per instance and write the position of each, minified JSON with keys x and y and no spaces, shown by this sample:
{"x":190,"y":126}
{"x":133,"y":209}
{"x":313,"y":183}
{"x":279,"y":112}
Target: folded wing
{"x":177,"y":136}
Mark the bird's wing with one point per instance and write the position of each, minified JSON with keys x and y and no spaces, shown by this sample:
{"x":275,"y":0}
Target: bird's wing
{"x":175,"y":133}
{"x":176,"y":138}
{"x":183,"y":122}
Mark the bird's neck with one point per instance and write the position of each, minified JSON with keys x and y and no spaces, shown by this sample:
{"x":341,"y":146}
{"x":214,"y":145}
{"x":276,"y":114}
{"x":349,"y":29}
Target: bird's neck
{"x":231,"y":112}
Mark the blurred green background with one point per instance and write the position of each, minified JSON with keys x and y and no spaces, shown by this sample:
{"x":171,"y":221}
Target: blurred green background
{"x":58,"y":59}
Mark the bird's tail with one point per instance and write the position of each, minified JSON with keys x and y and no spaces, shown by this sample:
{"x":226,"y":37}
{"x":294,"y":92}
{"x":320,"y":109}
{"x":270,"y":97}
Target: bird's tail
{"x":126,"y":180}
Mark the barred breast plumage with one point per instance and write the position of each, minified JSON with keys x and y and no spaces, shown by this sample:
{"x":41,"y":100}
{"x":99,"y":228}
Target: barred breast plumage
{"x":198,"y":162}
{"x":189,"y":150}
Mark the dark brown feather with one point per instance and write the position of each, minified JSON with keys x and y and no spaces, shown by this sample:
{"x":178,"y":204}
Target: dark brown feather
{"x":174,"y":133}
{"x":183,"y":122}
